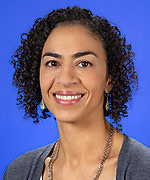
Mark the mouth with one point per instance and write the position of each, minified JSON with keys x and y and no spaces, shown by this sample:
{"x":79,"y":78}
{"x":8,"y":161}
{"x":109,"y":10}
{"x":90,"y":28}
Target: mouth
{"x":67,"y":97}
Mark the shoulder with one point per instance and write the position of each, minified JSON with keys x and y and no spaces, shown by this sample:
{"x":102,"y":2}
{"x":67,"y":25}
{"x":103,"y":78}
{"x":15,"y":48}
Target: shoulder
{"x":134,"y":160}
{"x":138,"y":154}
{"x":23,"y":165}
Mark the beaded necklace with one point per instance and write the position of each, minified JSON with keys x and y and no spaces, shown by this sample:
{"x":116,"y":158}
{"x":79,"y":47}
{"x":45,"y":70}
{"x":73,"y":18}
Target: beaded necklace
{"x":101,"y":165}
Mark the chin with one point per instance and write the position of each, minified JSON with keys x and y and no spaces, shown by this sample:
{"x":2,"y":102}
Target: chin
{"x":66,"y":118}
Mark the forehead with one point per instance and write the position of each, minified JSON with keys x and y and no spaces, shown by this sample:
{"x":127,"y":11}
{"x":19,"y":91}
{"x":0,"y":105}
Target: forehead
{"x":72,"y":38}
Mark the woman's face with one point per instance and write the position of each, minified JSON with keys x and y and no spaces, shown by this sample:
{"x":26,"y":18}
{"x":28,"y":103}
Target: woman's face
{"x":73,"y":74}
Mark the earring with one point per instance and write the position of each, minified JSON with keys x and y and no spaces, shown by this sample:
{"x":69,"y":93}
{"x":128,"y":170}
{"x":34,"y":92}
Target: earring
{"x":42,"y":105}
{"x":107,"y":102}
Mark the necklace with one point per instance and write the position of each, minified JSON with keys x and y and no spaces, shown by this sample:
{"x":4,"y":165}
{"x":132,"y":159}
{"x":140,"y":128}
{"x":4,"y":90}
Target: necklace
{"x":101,"y":165}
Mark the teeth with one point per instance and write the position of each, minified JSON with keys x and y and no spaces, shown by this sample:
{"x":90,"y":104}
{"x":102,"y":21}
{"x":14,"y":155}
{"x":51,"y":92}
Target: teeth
{"x":67,"y":97}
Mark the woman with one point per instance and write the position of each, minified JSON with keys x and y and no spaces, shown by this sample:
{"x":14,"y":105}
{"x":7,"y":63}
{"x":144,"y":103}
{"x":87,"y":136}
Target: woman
{"x":81,"y":70}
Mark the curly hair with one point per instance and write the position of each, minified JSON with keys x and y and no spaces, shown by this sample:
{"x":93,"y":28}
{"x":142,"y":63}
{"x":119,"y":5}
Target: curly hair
{"x":120,"y":65}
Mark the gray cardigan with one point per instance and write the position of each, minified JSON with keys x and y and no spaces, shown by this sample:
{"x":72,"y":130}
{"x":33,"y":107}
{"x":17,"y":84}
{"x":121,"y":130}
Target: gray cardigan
{"x":133,"y":163}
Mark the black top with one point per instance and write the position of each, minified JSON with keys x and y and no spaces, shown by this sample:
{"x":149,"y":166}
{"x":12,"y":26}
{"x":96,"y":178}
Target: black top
{"x":133,"y":163}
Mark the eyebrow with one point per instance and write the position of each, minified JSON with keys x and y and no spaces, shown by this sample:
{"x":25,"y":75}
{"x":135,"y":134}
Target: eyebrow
{"x":74,"y":56}
{"x":83,"y":53}
{"x":55,"y":55}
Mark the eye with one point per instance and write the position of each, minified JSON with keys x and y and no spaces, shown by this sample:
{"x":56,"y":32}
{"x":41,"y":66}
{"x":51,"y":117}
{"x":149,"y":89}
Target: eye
{"x":52,"y":63}
{"x":84,"y":64}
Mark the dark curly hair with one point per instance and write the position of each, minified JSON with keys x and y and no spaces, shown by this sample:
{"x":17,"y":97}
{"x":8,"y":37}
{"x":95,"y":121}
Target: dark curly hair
{"x":26,"y":61}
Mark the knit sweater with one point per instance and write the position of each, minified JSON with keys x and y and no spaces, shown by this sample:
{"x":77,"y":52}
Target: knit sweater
{"x":133,"y":163}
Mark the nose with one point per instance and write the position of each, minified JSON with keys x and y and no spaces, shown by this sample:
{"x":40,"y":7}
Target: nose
{"x":67,"y":77}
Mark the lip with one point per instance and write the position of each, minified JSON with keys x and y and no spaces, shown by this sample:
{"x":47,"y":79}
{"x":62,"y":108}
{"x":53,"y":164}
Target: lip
{"x":67,"y":93}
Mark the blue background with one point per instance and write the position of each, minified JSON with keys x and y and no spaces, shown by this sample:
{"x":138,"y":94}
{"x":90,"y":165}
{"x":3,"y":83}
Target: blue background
{"x":18,"y":135}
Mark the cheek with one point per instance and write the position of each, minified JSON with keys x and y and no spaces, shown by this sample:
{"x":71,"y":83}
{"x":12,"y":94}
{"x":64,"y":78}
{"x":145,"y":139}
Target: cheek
{"x":46,"y":80}
{"x":95,"y":82}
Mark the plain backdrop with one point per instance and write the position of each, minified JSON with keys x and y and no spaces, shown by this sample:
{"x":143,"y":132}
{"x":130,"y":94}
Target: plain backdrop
{"x":18,"y":135}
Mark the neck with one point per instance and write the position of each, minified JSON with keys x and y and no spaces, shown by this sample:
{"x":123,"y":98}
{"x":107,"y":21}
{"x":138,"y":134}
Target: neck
{"x":81,"y":142}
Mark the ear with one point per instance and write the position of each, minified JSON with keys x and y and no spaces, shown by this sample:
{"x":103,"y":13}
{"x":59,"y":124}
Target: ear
{"x":108,"y":84}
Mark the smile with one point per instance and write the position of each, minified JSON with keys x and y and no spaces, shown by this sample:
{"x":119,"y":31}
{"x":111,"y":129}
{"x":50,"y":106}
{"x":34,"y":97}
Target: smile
{"x":67,"y":97}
